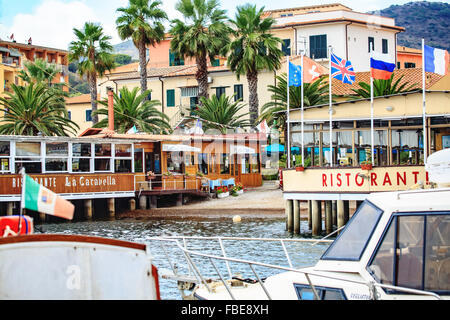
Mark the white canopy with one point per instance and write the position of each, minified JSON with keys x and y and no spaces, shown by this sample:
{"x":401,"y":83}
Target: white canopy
{"x":179,"y":147}
{"x":241,"y":149}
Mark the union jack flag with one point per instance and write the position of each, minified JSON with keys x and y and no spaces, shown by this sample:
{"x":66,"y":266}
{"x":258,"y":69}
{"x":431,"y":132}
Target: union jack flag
{"x":342,"y":70}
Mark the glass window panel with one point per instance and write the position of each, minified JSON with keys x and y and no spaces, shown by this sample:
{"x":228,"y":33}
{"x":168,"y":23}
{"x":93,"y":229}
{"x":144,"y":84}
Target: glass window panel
{"x":81,"y":149}
{"x":352,"y":241}
{"x":81,"y":165}
{"x":123,"y":166}
{"x":437,"y":253}
{"x":30,"y":167}
{"x":56,"y":149}
{"x":102,"y":165}
{"x":203,"y":163}
{"x":410,"y":251}
{"x":382,"y":265}
{"x":28,"y":149}
{"x":123,"y":150}
{"x":225,"y":164}
{"x":102,"y":149}
{"x":56,"y":164}
{"x":138,"y":162}
{"x":175,"y":162}
{"x":4,"y":164}
{"x":5,"y":149}
{"x":330,"y":294}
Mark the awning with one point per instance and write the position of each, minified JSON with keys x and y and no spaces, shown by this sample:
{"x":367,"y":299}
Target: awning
{"x":241,"y":150}
{"x":179,"y":147}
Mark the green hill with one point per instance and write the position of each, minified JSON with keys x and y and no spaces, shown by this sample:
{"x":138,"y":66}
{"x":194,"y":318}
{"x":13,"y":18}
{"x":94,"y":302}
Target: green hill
{"x":421,"y":19}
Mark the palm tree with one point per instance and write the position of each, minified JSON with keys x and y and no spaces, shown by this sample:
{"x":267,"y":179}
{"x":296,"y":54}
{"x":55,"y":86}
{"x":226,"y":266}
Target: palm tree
{"x":133,"y":109}
{"x":93,"y":51}
{"x":383,"y":88}
{"x":39,"y":71}
{"x":31,"y":109}
{"x":253,"y":49}
{"x":202,"y":35}
{"x":136,"y":23}
{"x":221,"y":113}
{"x":315,"y":93}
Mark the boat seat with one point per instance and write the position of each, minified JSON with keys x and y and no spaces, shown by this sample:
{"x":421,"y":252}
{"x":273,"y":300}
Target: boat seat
{"x":409,"y":271}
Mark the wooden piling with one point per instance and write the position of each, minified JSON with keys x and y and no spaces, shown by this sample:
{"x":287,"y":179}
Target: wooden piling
{"x":111,"y":208}
{"x":153,"y":202}
{"x":309,"y":214}
{"x":340,"y":214}
{"x":143,"y":202}
{"x":334,"y":212}
{"x":179,"y":200}
{"x":9,"y":208}
{"x":296,"y":216}
{"x":346,"y":211}
{"x":88,"y":209}
{"x":328,"y":217}
{"x":316,"y":217}
{"x":132,"y":204}
{"x":289,"y":209}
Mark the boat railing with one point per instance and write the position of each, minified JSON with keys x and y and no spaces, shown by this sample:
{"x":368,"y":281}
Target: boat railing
{"x":201,"y":279}
{"x":176,"y":182}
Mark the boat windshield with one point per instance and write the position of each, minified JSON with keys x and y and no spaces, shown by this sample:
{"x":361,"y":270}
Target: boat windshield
{"x":351,"y":243}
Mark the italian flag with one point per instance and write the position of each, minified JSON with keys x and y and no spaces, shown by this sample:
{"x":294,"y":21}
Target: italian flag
{"x":38,"y":198}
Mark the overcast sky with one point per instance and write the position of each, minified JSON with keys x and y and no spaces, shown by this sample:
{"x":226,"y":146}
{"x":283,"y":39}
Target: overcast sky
{"x":50,"y":22}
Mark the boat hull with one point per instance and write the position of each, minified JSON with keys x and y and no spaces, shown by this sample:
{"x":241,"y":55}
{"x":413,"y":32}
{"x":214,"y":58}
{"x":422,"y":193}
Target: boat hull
{"x":66,"y":267}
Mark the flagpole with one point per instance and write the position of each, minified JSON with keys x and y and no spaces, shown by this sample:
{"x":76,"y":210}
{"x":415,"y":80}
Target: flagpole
{"x":330,"y":106}
{"x":424,"y":115}
{"x":302,"y":105}
{"x":371,"y":113}
{"x":22,"y":199}
{"x":288,"y":119}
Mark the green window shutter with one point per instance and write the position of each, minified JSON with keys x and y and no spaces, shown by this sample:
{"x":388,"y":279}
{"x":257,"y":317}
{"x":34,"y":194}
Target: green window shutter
{"x":170,"y":97}
{"x":318,"y":46}
{"x":171,"y":58}
{"x":239,"y":92}
{"x":220,"y":91}
{"x":215,"y":63}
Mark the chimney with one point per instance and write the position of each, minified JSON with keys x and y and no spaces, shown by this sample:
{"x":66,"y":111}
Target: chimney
{"x":111,"y":109}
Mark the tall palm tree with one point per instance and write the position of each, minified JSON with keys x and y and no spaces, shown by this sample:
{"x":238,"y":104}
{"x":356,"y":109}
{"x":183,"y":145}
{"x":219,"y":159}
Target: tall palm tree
{"x":142,"y":22}
{"x":30,"y":110}
{"x":221,"y":113}
{"x":253,"y":49}
{"x":93,"y":52}
{"x":383,"y":88}
{"x":315,"y":93}
{"x":203,"y":34}
{"x":133,"y":109}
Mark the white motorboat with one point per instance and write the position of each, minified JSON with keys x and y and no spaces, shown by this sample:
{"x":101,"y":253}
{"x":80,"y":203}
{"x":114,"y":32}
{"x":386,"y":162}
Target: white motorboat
{"x":73,"y":267}
{"x":395,"y":247}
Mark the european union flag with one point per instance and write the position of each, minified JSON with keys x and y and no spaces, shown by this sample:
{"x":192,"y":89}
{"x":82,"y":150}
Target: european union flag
{"x":295,"y":75}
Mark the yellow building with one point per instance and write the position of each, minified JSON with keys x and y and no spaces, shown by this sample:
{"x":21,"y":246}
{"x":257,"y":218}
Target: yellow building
{"x":80,"y":111}
{"x":10,"y":66}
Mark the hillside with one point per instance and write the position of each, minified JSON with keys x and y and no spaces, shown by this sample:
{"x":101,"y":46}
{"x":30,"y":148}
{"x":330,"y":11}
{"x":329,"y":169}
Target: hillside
{"x":422,"y":19}
{"x":127,"y":48}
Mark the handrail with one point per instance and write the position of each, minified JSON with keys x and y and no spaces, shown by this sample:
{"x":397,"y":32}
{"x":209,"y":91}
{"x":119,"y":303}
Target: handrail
{"x":307,"y":274}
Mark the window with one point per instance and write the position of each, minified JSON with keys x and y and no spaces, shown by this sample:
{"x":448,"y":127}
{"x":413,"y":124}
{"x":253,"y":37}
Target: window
{"x":69,"y":115}
{"x":123,"y":158}
{"x":305,"y":292}
{"x":102,"y":150}
{"x":56,"y":156}
{"x":174,"y":60}
{"x":401,"y":258}
{"x":220,"y":91}
{"x":384,"y":43}
{"x":409,"y":65}
{"x":398,"y":65}
{"x":123,"y":150}
{"x":318,"y":46}
{"x":371,"y":44}
{"x":175,"y":162}
{"x":81,"y":161}
{"x":5,"y":152}
{"x":215,"y":63}
{"x":225,"y":164}
{"x":350,"y":244}
{"x":286,"y":47}
{"x":203,"y":163}
{"x":138,"y":160}
{"x":88,"y":115}
{"x":238,"y":92}
{"x":170,"y":97}
{"x":28,"y":155}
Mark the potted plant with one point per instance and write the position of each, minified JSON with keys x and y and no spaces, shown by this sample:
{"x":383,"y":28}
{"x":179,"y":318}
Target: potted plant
{"x":299,"y":168}
{"x":366,"y":165}
{"x":222,"y":192}
{"x":150,"y":175}
{"x":239,"y":188}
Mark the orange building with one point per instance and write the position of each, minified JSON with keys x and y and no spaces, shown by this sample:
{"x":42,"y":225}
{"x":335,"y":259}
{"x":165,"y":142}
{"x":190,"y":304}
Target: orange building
{"x":408,"y":58}
{"x":29,"y":52}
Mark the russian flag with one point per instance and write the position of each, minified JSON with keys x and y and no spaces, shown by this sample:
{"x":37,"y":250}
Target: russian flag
{"x":436,"y":60}
{"x":381,"y":65}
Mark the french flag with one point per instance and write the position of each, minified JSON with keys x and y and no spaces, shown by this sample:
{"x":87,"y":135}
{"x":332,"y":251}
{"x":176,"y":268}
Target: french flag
{"x":381,"y":65}
{"x":436,"y":60}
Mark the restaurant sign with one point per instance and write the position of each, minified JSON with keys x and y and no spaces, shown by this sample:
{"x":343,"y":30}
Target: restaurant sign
{"x":353,"y":180}
{"x":71,"y":183}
